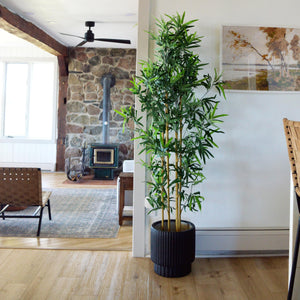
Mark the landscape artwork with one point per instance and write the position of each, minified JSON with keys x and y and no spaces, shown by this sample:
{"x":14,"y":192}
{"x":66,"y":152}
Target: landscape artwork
{"x":261,"y":58}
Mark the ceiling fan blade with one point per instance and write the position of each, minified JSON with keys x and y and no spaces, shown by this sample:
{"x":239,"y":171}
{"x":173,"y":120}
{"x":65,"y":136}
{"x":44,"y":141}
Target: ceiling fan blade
{"x":114,"y":41}
{"x":72,"y":35}
{"x":81,"y":44}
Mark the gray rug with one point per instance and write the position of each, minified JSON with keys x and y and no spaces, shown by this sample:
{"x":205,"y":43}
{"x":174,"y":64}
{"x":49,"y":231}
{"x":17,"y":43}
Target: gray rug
{"x":76,"y":213}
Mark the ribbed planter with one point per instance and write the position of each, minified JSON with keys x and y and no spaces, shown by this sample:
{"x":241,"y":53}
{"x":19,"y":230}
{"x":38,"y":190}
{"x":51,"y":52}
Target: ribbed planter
{"x":172,"y":252}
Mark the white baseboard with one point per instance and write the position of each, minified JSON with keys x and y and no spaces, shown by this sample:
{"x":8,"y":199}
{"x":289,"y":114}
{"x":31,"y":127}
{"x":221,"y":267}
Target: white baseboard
{"x":42,"y":166}
{"x":242,"y":242}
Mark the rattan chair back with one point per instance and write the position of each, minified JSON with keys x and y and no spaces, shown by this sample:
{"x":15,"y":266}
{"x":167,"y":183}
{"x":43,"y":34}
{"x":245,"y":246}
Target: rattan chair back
{"x":20,"y":186}
{"x":292,"y":134}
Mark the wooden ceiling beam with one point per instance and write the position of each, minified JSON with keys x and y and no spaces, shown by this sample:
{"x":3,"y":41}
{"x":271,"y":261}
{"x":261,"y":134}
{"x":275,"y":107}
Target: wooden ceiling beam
{"x":18,"y":26}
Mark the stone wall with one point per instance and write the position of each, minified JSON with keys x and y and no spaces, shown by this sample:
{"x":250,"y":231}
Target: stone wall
{"x":85,"y":98}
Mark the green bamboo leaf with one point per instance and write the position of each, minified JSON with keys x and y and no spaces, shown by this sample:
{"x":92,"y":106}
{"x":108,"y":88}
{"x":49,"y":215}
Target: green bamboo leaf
{"x":171,"y":80}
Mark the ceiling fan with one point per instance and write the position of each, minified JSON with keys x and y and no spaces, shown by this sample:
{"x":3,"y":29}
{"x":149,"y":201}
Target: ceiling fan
{"x":90,"y":37}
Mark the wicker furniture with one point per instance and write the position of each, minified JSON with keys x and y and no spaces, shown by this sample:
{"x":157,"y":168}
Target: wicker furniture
{"x":292,"y":133}
{"x":23,"y":187}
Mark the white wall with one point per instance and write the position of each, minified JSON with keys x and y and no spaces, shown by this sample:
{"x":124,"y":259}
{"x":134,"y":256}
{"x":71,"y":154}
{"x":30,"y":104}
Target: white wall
{"x":247,"y":186}
{"x":248,"y":181}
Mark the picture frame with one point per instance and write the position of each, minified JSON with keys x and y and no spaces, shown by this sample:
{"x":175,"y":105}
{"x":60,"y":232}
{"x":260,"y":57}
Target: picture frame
{"x":256,"y":58}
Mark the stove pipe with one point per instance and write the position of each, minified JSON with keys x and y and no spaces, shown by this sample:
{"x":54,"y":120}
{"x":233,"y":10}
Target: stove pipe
{"x":107,"y":81}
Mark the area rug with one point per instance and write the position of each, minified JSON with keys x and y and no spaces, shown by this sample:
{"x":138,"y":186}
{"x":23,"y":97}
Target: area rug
{"x":76,"y":213}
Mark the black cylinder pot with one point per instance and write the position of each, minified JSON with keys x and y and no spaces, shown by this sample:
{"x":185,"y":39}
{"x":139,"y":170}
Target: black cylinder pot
{"x":172,"y":252}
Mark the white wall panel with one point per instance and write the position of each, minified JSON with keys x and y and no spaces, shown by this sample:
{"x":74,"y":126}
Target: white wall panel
{"x":6,"y":152}
{"x":41,"y":155}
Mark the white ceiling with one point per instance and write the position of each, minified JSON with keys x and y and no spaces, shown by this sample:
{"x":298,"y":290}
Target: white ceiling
{"x":114,"y":19}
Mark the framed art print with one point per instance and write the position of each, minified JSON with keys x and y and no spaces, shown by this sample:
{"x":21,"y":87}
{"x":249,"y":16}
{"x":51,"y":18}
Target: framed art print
{"x":261,"y":58}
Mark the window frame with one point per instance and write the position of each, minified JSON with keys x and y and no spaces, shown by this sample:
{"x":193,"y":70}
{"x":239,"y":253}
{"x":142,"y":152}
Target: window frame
{"x":29,"y":62}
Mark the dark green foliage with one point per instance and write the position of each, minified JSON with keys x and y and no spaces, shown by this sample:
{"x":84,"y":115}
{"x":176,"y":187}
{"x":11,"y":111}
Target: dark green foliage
{"x":166,"y":90}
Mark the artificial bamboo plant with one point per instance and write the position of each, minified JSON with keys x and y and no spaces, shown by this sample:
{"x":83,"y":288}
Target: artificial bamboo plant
{"x":180,"y":105}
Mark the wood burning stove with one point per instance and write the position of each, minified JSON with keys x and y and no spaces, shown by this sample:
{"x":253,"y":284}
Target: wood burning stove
{"x":104,"y":159}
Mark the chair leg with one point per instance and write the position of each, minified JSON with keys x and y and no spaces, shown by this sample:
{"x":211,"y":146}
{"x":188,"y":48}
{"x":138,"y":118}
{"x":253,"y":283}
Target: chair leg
{"x":3,"y":207}
{"x":40,"y":221}
{"x":294,"y":264}
{"x":2,"y":214}
{"x":49,"y":209}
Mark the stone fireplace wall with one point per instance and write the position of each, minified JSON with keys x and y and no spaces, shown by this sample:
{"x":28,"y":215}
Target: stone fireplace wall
{"x":85,"y":97}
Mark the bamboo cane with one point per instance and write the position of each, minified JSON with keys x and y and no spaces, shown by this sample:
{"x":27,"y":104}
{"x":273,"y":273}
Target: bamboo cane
{"x":162,"y":191}
{"x":168,"y":173}
{"x":180,"y":165}
{"x":176,"y":185}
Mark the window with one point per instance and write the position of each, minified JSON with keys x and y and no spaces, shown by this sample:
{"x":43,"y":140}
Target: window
{"x":28,"y":99}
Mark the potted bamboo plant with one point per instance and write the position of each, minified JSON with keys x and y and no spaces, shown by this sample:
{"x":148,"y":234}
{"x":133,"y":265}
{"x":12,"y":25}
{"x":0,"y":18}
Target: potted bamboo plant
{"x":180,"y":106}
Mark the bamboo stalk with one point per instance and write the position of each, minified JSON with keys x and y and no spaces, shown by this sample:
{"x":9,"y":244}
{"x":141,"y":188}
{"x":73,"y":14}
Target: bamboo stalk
{"x":176,"y":185}
{"x":168,"y":173}
{"x":162,"y":191}
{"x":180,"y":165}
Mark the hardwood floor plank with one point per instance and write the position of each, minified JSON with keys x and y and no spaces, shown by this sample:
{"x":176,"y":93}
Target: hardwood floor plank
{"x":42,"y":284}
{"x":63,"y":288}
{"x":114,"y":276}
{"x":105,"y":275}
{"x":12,"y":291}
{"x":218,"y":280}
{"x":137,"y":272}
{"x":266,"y":271}
{"x":59,"y":180}
{"x":19,"y":269}
{"x":158,"y":287}
{"x":209,"y":292}
{"x":251,"y":280}
{"x":3,"y":255}
{"x":182,"y":288}
{"x":91,"y":282}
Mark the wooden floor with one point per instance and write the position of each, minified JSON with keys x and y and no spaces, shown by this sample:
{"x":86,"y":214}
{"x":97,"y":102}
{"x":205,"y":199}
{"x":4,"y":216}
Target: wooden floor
{"x":59,"y":180}
{"x":123,"y":242}
{"x":31,"y":269}
{"x":63,"y":274}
